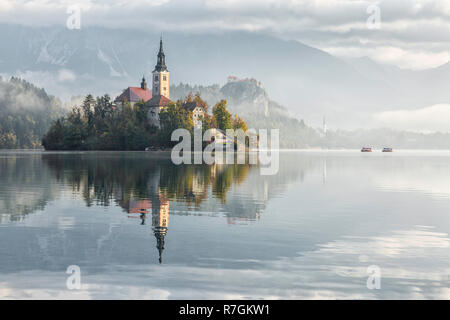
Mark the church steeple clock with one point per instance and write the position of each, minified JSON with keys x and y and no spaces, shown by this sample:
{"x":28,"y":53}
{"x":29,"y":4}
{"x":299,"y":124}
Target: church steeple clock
{"x":161,"y":75}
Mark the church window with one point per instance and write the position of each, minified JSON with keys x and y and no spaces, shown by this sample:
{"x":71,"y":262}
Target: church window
{"x":164,"y":78}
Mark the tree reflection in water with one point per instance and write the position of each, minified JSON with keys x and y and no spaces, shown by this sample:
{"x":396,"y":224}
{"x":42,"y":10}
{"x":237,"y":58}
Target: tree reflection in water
{"x":143,"y":185}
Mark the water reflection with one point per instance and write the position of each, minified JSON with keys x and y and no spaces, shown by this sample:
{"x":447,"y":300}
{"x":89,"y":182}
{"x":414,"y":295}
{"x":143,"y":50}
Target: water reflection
{"x":158,"y":208}
{"x":141,"y":184}
{"x":25,"y":185}
{"x":146,"y":185}
{"x":29,"y":181}
{"x":119,"y":178}
{"x":140,"y":226}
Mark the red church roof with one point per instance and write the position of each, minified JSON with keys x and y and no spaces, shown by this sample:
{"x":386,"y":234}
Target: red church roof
{"x":158,"y":101}
{"x":142,"y":206}
{"x":134,"y":94}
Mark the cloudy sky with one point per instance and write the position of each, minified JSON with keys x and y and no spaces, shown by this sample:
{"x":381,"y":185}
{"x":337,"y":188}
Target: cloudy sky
{"x":411,"y":34}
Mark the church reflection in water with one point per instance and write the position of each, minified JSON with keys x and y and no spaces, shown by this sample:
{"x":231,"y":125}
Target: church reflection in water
{"x":187,"y":185}
{"x":144,"y":185}
{"x":158,"y":208}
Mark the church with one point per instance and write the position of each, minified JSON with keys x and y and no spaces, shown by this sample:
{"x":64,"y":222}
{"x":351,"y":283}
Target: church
{"x":159,"y":97}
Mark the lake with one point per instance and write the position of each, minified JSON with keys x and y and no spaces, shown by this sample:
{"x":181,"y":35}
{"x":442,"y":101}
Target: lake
{"x":328,"y":225}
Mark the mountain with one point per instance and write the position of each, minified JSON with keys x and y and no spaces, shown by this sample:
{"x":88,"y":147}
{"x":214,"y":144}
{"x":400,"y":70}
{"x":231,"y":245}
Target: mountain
{"x":27,"y":111}
{"x":309,"y":82}
{"x":244,"y":96}
{"x":248,"y":99}
{"x":414,"y":89}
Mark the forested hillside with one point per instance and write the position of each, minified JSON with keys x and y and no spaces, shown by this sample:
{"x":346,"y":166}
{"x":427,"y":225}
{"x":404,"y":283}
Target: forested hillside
{"x":26,"y":113}
{"x":250,"y":100}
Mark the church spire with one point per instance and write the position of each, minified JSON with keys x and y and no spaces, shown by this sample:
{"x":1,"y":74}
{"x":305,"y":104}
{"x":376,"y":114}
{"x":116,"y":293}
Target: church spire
{"x":161,"y":61}
{"x":161,"y":51}
{"x":143,"y":83}
{"x":160,"y":233}
{"x":161,"y":81}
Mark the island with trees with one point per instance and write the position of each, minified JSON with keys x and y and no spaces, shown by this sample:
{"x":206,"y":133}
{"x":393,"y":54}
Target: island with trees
{"x":99,"y":124}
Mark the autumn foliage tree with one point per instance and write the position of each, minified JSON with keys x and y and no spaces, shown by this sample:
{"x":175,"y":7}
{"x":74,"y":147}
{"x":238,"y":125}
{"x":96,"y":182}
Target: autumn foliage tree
{"x":238,"y":123}
{"x":221,"y":117}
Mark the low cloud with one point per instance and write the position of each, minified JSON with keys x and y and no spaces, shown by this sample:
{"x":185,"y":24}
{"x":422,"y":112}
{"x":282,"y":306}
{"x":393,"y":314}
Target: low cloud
{"x":412,"y":58}
{"x":414,"y":33}
{"x":54,"y":82}
{"x":429,"y":119}
{"x":66,"y":75}
{"x":19,"y":97}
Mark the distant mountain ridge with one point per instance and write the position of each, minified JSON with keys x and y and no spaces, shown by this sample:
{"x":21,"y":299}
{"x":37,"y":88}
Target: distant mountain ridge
{"x":309,"y":82}
{"x":247,"y":98}
{"x":26,"y":113}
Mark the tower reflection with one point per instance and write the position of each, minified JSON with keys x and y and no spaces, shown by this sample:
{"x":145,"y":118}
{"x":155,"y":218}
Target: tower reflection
{"x":144,"y":184}
{"x":160,"y":221}
{"x":158,"y":205}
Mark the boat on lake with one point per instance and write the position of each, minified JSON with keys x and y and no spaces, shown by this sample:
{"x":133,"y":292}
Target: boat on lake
{"x":387,"y":150}
{"x":366,"y":149}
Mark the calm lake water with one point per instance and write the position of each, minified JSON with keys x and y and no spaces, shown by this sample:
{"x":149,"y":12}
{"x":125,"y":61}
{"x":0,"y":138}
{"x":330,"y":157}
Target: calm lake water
{"x":140,"y":227}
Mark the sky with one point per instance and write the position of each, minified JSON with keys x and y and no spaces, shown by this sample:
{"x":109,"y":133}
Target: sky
{"x":411,"y":34}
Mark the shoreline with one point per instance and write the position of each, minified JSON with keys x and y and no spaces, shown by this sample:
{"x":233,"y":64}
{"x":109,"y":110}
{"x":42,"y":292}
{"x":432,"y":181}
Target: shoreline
{"x":375,"y":151}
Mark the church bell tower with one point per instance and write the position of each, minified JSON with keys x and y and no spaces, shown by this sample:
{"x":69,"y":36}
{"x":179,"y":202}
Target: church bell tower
{"x":161,"y":75}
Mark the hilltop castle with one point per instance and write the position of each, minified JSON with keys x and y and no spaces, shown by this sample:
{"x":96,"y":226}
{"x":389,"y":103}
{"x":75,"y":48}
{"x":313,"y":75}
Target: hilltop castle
{"x":159,"y":98}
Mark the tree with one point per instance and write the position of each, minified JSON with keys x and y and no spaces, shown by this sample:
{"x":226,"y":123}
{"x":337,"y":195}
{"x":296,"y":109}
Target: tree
{"x":238,"y":123}
{"x":222,"y":118}
{"x":26,"y":113}
{"x":171,"y":118}
{"x":52,"y":140}
{"x":97,"y":125}
{"x":198,"y":99}
{"x":88,"y":111}
{"x":8,"y":140}
{"x":102,"y":112}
